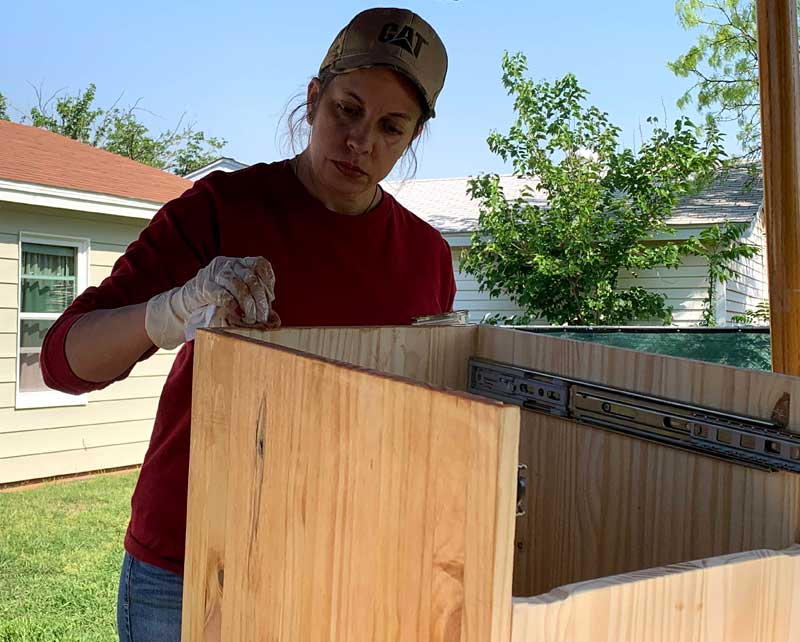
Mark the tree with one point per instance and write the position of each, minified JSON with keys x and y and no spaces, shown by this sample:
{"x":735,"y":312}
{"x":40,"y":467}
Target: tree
{"x":721,"y":246}
{"x":180,"y":150}
{"x":561,"y":262}
{"x":724,"y":64}
{"x":3,"y":108}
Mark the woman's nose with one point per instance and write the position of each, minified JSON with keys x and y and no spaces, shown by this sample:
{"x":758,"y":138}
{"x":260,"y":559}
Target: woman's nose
{"x":359,"y":139}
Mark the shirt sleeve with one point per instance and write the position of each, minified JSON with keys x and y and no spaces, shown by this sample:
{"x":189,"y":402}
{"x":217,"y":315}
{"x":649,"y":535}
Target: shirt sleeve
{"x":181,"y":238}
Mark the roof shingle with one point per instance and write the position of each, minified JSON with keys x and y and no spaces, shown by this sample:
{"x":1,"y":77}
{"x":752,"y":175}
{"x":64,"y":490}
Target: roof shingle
{"x":32,"y":155}
{"x":735,"y":195}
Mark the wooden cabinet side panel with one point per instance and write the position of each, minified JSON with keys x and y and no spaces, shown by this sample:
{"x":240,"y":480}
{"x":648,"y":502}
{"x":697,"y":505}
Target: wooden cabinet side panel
{"x":360,"y":507}
{"x":600,"y":504}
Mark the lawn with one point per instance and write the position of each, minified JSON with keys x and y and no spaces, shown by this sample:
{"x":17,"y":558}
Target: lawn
{"x":60,"y":555}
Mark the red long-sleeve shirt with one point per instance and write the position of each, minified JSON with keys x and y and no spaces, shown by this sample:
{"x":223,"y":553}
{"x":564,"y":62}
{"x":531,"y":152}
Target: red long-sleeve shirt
{"x":380,"y":268}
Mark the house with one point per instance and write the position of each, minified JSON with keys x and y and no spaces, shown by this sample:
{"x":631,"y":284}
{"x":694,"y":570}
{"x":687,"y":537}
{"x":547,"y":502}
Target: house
{"x":734,"y":196}
{"x":222,"y":164}
{"x":67,"y":212}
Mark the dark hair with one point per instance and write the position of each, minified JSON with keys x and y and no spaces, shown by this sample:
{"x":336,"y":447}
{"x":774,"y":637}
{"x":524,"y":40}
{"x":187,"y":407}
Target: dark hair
{"x":297,"y":124}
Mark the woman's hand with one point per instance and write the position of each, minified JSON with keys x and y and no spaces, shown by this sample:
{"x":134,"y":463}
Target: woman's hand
{"x":242,"y":291}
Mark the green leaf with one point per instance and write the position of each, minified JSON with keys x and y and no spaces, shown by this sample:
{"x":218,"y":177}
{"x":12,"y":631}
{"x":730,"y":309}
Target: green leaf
{"x":561,"y":262}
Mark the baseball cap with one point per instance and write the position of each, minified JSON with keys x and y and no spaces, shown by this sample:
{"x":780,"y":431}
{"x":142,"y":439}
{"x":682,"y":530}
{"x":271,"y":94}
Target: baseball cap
{"x":396,"y":38}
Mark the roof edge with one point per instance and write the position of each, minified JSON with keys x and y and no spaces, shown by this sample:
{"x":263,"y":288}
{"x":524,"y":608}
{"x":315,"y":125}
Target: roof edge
{"x":77,"y":200}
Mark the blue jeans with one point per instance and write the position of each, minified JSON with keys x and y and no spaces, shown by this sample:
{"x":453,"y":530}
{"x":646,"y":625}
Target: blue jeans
{"x":148,"y":603}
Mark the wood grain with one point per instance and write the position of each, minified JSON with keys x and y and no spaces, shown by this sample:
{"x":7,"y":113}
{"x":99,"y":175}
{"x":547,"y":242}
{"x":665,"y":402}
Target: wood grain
{"x":746,"y":597}
{"x":342,"y":504}
{"x":433,"y":355}
{"x":601,"y":503}
{"x":779,"y":83}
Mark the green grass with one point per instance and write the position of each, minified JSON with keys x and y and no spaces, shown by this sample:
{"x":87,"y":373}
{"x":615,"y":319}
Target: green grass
{"x":60,"y":556}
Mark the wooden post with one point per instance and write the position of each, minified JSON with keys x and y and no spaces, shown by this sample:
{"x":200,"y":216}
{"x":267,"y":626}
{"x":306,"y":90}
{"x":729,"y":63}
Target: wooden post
{"x":780,"y":99}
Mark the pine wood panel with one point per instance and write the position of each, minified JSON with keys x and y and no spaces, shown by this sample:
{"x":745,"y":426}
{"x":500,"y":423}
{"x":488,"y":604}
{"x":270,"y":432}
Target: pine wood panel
{"x":779,"y":84}
{"x":746,"y":597}
{"x":433,"y":355}
{"x":333,"y":503}
{"x":600,"y":503}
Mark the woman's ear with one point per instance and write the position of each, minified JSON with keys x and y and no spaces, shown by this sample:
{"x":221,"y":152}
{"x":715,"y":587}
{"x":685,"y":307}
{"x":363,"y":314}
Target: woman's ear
{"x":312,"y":98}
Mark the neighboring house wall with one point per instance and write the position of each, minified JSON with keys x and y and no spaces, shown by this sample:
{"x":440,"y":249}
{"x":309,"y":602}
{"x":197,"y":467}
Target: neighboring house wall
{"x":113,"y":428}
{"x":750,"y":284}
{"x":734,"y":196}
{"x":685,"y":288}
{"x":469,"y":297}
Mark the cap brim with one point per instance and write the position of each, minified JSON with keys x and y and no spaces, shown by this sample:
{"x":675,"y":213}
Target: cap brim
{"x":368,"y":60}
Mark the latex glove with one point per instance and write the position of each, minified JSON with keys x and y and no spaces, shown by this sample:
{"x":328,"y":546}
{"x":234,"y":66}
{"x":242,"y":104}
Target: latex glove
{"x":241,"y":290}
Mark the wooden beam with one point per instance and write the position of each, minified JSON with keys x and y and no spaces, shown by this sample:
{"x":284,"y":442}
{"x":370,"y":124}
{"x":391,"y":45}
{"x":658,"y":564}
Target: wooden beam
{"x":780,"y":99}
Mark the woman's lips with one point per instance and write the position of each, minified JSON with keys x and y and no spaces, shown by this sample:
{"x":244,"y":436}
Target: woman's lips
{"x":351,"y":171}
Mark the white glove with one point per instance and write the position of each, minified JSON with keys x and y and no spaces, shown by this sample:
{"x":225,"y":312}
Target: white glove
{"x":241,"y":291}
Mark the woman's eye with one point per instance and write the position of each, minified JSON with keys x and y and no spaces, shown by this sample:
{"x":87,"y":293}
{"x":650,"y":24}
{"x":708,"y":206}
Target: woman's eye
{"x":393,"y":130}
{"x":345,"y":109}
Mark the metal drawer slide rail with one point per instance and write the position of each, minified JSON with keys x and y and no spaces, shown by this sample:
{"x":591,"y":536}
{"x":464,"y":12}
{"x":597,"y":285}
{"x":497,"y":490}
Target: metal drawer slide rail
{"x":742,"y":440}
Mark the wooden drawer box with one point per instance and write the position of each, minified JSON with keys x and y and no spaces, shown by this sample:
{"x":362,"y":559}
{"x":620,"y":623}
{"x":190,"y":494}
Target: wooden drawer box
{"x":343,"y":486}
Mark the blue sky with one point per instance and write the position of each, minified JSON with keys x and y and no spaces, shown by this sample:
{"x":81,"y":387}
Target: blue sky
{"x":233,"y":66}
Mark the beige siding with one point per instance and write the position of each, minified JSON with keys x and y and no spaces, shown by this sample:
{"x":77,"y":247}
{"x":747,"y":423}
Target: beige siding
{"x":469,"y":297}
{"x":749,"y":285}
{"x":113,"y":428}
{"x":685,"y":289}
{"x":67,"y":462}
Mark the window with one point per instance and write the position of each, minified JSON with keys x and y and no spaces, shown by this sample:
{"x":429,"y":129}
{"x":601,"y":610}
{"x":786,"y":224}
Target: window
{"x":53,"y":271}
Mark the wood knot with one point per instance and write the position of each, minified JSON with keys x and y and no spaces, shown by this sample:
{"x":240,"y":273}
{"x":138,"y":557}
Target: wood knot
{"x":260,"y":445}
{"x":780,"y":413}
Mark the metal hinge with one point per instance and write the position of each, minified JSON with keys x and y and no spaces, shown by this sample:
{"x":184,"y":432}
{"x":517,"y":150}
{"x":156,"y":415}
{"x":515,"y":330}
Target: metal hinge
{"x":742,"y":440}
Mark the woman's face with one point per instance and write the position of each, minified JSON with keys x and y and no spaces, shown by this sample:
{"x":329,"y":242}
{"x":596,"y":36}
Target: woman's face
{"x":362,"y":124}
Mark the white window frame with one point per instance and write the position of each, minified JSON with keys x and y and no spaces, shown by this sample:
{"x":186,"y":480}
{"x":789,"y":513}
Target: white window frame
{"x":49,"y":398}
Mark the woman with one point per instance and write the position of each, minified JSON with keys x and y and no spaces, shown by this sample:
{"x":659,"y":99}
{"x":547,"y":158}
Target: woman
{"x":343,"y":252}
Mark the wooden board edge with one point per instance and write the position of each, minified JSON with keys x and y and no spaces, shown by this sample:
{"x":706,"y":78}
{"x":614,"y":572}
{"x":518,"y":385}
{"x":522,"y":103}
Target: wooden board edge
{"x":355,"y":368}
{"x":505,"y":520}
{"x":568,"y":591}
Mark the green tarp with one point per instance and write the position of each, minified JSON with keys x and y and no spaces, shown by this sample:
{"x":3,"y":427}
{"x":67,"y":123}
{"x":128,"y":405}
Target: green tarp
{"x":740,"y":348}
